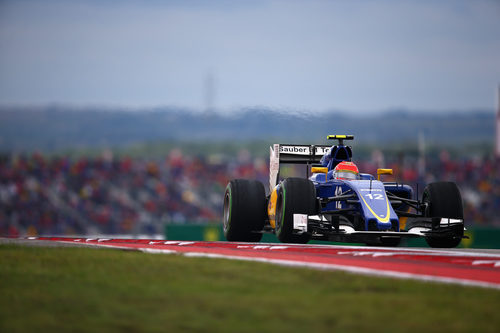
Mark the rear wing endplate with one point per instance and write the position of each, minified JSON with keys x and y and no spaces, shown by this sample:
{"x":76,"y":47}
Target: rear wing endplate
{"x":292,"y":154}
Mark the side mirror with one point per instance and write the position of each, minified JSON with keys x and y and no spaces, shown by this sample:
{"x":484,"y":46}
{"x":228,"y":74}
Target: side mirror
{"x":319,"y":170}
{"x":383,"y":172}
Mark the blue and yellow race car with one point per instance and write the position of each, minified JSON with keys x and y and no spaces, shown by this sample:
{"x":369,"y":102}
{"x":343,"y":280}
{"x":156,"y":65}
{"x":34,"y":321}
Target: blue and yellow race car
{"x":335,"y":202}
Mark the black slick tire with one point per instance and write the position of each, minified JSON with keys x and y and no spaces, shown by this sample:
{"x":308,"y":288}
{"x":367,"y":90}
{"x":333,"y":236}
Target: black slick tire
{"x":295,"y":196}
{"x":244,"y":210}
{"x":443,"y":199}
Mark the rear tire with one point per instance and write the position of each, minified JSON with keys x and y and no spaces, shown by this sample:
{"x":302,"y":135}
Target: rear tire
{"x":444,"y":200}
{"x":244,"y":210}
{"x":295,"y":196}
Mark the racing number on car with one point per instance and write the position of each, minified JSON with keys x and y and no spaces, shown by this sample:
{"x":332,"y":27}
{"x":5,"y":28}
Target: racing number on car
{"x":376,"y":196}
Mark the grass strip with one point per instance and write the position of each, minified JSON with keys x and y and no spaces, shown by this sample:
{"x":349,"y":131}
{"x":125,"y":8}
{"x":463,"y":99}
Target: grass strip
{"x":101,"y":290}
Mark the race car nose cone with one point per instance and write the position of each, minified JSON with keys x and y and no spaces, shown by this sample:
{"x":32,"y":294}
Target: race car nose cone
{"x":384,"y":225}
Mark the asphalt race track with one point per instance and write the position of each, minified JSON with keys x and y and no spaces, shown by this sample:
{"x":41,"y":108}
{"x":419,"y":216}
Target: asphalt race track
{"x":474,"y":267}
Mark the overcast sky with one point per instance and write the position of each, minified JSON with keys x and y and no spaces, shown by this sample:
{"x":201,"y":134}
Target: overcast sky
{"x":306,"y":55}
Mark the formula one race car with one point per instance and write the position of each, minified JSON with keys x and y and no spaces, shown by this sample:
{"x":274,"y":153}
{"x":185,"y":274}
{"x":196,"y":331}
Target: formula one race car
{"x":335,"y":202}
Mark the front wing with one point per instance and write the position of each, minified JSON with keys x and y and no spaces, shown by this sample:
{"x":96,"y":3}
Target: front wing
{"x":322,"y":229}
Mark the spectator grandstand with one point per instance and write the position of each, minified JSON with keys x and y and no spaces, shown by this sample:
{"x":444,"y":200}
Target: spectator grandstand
{"x":41,"y":195}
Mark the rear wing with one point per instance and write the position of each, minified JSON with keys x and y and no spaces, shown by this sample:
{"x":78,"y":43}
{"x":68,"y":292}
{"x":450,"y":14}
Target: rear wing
{"x":280,"y":153}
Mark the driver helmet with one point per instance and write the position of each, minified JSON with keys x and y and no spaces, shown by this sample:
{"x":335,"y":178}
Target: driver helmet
{"x":346,"y":170}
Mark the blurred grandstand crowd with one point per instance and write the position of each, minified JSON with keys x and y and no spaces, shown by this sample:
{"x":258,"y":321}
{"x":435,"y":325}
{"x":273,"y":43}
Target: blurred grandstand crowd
{"x":42,"y":195}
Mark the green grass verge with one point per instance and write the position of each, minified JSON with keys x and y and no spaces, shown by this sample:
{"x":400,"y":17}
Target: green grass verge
{"x":96,"y":290}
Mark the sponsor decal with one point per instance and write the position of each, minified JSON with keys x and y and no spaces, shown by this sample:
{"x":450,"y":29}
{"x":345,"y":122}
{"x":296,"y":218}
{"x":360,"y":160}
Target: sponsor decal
{"x":302,"y":150}
{"x":300,"y":222}
{"x":338,"y":192}
{"x":294,"y":150}
{"x":321,"y":150}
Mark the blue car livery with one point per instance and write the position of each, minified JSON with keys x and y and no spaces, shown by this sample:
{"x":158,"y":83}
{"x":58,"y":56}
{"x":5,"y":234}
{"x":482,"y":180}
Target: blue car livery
{"x":321,"y":206}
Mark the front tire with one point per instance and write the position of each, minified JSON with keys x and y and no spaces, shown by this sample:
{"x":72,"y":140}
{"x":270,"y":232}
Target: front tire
{"x":244,"y":210}
{"x":295,"y":196}
{"x":443,"y":199}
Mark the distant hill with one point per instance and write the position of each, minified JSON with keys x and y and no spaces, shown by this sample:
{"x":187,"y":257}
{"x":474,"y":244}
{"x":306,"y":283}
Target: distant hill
{"x":56,"y":128}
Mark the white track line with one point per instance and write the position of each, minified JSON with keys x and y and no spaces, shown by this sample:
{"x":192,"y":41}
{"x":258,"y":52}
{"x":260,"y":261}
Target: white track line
{"x":321,"y":266}
{"x":350,"y":269}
